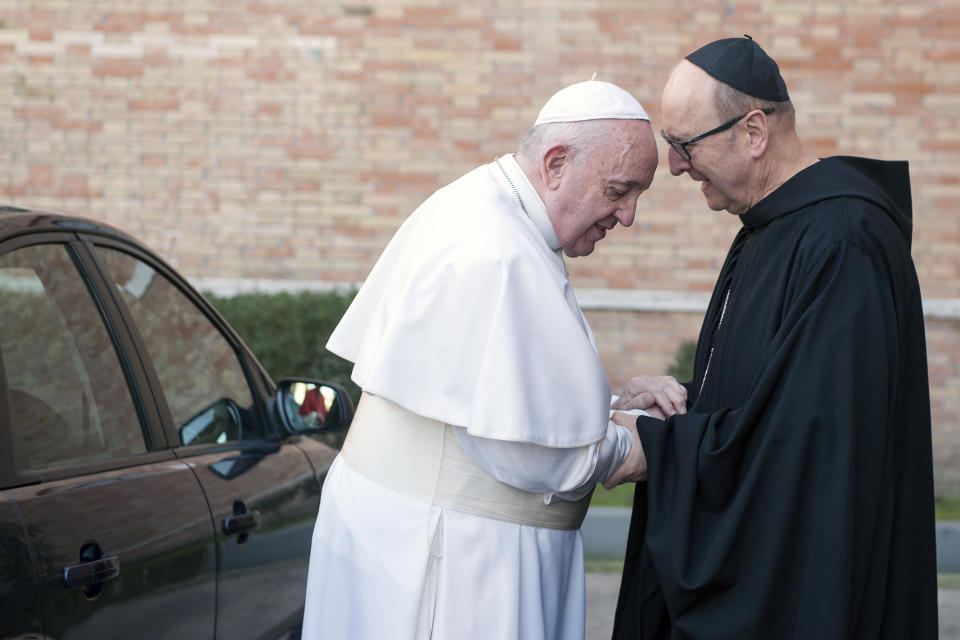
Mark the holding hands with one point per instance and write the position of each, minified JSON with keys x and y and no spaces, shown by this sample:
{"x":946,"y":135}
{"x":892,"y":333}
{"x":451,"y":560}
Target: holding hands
{"x":660,"y":397}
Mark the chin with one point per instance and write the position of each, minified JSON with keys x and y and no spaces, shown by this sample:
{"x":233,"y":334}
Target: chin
{"x":716,"y":204}
{"x":579,"y":252}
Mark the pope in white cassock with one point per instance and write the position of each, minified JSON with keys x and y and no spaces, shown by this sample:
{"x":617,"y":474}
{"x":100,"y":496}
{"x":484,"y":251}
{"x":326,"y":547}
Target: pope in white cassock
{"x":454,"y":508}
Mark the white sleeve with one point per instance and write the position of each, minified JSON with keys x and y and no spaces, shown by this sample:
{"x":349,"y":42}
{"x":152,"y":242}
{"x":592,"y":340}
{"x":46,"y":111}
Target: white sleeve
{"x":565,"y":473}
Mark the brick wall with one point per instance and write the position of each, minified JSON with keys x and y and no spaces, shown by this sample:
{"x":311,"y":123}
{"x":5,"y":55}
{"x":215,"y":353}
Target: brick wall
{"x":283,"y":140}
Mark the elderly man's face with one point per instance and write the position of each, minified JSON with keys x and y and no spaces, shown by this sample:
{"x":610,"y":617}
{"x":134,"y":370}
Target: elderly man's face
{"x":687,"y":110}
{"x":602,"y":190}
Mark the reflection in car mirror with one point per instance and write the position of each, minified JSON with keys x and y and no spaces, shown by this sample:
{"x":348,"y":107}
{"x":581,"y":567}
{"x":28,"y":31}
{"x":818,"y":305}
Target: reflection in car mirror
{"x":313,"y":406}
{"x":218,"y":423}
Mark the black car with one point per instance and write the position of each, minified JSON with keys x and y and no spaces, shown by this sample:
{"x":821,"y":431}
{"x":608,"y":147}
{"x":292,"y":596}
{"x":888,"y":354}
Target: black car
{"x":154,"y":481}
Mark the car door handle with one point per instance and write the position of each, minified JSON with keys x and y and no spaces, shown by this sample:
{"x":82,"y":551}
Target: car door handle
{"x":96,"y":571}
{"x":241,"y":523}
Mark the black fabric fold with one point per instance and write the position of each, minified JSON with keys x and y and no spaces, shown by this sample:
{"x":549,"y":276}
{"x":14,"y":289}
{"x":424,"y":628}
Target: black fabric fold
{"x":795,"y":498}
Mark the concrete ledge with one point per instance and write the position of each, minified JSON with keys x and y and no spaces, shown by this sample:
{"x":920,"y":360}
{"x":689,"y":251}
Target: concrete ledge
{"x":605,"y":532}
{"x":596,"y":299}
{"x":948,"y":547}
{"x":605,"y":536}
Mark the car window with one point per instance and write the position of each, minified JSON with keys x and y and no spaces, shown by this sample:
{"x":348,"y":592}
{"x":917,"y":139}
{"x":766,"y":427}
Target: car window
{"x":202,"y":378}
{"x":70,"y":400}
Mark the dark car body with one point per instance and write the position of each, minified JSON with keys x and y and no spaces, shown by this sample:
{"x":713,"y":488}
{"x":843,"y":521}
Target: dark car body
{"x":154,"y":481}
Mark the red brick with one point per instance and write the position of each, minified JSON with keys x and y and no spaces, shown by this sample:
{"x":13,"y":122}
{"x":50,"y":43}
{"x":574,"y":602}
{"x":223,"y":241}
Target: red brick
{"x":117,"y":67}
{"x":152,"y":160}
{"x":270,"y":109}
{"x":159,"y":104}
{"x":74,"y":185}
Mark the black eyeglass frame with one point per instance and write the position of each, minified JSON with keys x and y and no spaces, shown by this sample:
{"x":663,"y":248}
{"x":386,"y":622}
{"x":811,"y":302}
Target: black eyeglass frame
{"x":680,"y":148}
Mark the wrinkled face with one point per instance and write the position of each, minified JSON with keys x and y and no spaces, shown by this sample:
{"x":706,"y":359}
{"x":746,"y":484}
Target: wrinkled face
{"x":715,"y":162}
{"x":602,"y":189}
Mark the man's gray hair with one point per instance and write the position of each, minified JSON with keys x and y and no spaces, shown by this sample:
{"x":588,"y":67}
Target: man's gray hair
{"x":581,"y":138}
{"x":730,"y":103}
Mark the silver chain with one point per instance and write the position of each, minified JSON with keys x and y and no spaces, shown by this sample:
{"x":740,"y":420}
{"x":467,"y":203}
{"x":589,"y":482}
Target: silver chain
{"x":514,"y":187}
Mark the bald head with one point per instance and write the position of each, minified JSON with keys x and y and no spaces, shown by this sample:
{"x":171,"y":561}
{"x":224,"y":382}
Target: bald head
{"x":687,"y":94}
{"x":738,"y":147}
{"x":689,"y":84}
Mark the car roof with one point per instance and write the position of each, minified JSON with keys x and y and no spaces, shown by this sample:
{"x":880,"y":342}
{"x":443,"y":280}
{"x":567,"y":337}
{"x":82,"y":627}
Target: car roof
{"x":15,"y":221}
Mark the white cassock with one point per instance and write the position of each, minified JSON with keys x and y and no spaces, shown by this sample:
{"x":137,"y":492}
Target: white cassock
{"x":467,"y":325}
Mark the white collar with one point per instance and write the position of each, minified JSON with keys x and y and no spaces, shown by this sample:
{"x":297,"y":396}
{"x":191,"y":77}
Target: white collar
{"x":532,"y":204}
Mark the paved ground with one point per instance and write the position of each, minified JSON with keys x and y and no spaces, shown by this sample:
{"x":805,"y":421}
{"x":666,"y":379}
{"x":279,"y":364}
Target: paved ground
{"x":602,"y":600}
{"x":602,"y":591}
{"x":949,"y":600}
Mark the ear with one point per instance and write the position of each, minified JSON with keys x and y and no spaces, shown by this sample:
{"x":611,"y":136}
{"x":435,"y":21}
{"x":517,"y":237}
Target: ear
{"x":552,"y":166}
{"x":758,"y":134}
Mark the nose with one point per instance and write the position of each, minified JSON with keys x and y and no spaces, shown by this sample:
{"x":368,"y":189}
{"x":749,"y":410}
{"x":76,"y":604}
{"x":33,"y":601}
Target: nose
{"x":627,"y":214}
{"x":678,"y":164}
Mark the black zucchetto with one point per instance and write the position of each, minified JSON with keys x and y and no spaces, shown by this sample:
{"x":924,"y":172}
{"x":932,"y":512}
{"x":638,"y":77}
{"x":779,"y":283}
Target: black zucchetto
{"x":742,"y":64}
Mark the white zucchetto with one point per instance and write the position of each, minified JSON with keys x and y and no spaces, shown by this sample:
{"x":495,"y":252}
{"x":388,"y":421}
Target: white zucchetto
{"x":591,"y":100}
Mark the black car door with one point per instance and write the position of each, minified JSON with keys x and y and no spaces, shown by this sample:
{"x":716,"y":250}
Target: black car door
{"x":19,"y":595}
{"x":117,"y":538}
{"x":261,"y":488}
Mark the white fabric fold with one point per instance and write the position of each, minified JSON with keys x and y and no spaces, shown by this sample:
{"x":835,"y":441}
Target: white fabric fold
{"x":567,"y":473}
{"x":468,"y":318}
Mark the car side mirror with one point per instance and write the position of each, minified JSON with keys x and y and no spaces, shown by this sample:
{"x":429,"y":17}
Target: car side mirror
{"x":313,"y":406}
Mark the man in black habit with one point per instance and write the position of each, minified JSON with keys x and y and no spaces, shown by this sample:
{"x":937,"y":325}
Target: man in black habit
{"x":794,"y":499}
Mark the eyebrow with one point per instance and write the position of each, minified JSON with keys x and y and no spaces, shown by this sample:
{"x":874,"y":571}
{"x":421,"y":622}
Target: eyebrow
{"x":626,"y":183}
{"x":678,"y":138}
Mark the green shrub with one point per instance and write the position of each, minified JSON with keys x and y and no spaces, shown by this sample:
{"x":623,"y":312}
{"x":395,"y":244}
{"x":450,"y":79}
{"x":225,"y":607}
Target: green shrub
{"x":682,"y":367}
{"x":947,"y":508}
{"x":619,"y":496}
{"x":287,"y":332}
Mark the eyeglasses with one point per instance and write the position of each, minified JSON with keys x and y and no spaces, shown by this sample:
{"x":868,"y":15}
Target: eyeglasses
{"x":681,"y":147}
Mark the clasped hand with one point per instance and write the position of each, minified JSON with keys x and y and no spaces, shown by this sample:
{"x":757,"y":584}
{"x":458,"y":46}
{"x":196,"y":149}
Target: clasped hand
{"x":660,"y":397}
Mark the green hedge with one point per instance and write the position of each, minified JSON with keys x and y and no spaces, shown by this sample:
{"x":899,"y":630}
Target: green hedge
{"x":682,"y":366}
{"x":287,"y":332}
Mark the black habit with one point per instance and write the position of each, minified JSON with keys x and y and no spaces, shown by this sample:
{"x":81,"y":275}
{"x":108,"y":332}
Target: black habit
{"x":795,"y":498}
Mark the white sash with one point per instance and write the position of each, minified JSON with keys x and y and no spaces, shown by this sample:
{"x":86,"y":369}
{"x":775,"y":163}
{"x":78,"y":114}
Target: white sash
{"x":422,"y":459}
